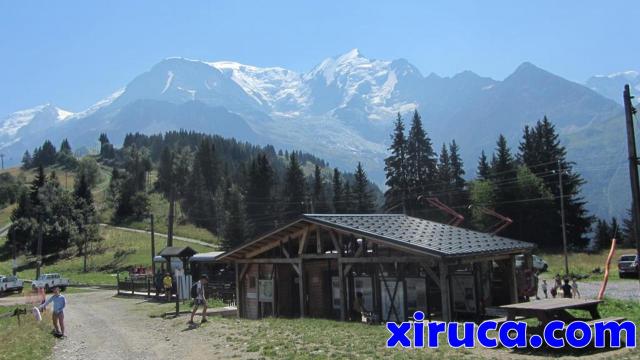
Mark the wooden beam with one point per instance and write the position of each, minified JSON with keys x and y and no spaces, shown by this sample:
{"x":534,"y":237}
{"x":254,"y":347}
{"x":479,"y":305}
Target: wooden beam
{"x":445,"y":292}
{"x":238,"y":307}
{"x":274,"y":243}
{"x":357,"y":255}
{"x":343,"y":304}
{"x":512,"y":281}
{"x":267,"y":261}
{"x":295,"y":267}
{"x":301,"y":288}
{"x":431,"y":274}
{"x":387,"y":259}
{"x":318,"y":241}
{"x":303,"y":240}
{"x":334,"y":240}
{"x":243,"y":272}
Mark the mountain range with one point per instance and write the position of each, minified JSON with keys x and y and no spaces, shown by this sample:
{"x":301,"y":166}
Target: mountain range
{"x":343,"y":110}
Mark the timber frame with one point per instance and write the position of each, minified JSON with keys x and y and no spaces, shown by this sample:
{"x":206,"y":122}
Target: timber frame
{"x":316,"y":266}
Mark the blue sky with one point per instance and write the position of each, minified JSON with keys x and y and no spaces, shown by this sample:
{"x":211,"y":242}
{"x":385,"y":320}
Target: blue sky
{"x":74,"y":53}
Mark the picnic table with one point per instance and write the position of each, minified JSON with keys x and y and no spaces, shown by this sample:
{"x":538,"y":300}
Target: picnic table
{"x":552,"y":309}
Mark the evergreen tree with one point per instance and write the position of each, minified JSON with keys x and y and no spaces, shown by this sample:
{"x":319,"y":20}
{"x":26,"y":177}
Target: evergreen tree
{"x":234,"y":231}
{"x":319,"y":197}
{"x":444,"y":172}
{"x":294,"y":189}
{"x":65,"y":147}
{"x":27,"y":161}
{"x":542,"y":152}
{"x":362,"y":198}
{"x":396,"y":168}
{"x":338,"y":192}
{"x":173,"y":172}
{"x":259,"y":199}
{"x":484,"y":170}
{"x":86,"y":218}
{"x":602,"y":239}
{"x":421,"y":165}
{"x":347,"y":203}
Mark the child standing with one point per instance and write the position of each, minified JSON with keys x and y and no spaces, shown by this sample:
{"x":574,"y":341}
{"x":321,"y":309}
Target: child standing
{"x":544,"y":288}
{"x":59,"y":303}
{"x":574,"y":288}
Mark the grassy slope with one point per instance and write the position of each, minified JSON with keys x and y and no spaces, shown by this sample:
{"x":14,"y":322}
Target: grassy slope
{"x":30,"y":340}
{"x":582,"y":263}
{"x":159,"y":206}
{"x":103,"y":266}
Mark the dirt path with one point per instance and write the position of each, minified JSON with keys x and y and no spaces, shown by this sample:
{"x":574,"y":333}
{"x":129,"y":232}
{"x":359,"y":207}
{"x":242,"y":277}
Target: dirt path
{"x":100,"y":326}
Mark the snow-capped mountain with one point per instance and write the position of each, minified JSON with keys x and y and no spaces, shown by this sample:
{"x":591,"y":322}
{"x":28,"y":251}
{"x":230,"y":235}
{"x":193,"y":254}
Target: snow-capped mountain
{"x":25,"y":124}
{"x":342,"y":109}
{"x":612,"y":85}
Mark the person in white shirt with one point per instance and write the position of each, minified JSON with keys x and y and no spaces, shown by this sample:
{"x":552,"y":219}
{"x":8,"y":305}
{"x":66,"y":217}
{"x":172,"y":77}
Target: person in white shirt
{"x":200,"y":299}
{"x":574,"y":288}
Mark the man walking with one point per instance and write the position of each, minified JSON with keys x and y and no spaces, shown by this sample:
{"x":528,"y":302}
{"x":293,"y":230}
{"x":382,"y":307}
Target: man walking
{"x":200,"y":298}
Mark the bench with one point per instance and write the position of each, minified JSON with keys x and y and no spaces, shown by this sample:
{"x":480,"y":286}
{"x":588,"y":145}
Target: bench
{"x":503,"y":319}
{"x":617,"y":319}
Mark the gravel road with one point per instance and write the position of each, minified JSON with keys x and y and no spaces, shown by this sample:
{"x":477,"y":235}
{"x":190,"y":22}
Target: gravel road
{"x":623,"y":289}
{"x":102,"y":327}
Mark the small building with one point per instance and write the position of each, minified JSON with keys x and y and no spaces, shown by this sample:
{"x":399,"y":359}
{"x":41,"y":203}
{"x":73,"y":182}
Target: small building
{"x":318,"y":265}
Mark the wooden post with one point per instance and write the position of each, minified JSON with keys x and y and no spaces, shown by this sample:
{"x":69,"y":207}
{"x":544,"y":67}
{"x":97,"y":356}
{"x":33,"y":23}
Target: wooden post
{"x":237,"y":290}
{"x":512,"y":281}
{"x":445,"y":293}
{"x":301,"y":288}
{"x":343,"y":312}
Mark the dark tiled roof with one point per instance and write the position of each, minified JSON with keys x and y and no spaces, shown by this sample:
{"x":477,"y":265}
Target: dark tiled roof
{"x":422,"y":235}
{"x":174,"y":251}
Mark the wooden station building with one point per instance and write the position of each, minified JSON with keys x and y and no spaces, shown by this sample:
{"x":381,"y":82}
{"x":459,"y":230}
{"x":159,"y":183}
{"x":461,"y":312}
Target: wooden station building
{"x":318,"y":265}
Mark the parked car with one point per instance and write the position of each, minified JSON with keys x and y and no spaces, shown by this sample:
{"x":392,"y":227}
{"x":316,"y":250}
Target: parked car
{"x":628,"y":265}
{"x":49,"y":281}
{"x":538,"y":262}
{"x":10,"y":283}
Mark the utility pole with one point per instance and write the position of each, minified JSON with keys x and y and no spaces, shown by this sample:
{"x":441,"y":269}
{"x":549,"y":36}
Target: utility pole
{"x":564,"y":228}
{"x":39,"y":247}
{"x":153,"y":247}
{"x":629,"y":111}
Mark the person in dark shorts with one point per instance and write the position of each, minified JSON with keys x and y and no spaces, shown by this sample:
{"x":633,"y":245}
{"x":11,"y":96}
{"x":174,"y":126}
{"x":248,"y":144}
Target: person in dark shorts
{"x":566,"y":289}
{"x":200,"y":299}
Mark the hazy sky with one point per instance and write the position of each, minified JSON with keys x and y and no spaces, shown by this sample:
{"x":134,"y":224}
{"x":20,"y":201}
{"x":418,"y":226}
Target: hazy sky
{"x":74,"y":53}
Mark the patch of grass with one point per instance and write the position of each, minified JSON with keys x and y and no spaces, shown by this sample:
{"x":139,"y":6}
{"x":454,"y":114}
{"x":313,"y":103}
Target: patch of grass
{"x":585,"y":264}
{"x":120,"y":251}
{"x":324,"y":339}
{"x":160,"y":209}
{"x":29,"y":340}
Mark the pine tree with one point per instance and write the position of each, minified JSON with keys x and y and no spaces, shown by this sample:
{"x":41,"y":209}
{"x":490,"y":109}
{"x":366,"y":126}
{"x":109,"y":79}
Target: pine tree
{"x":319,"y":197}
{"x":421,"y":164}
{"x":542,"y":152}
{"x":363,"y":200}
{"x":234,"y":230}
{"x":338,"y":192}
{"x":444,"y":179}
{"x":86,"y":218}
{"x":173,"y":172}
{"x":347,"y":203}
{"x":65,"y":147}
{"x":27,"y":161}
{"x":294,"y":189}
{"x":602,"y":239}
{"x":259,"y":197}
{"x":484,"y":170}
{"x":396,"y":168}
